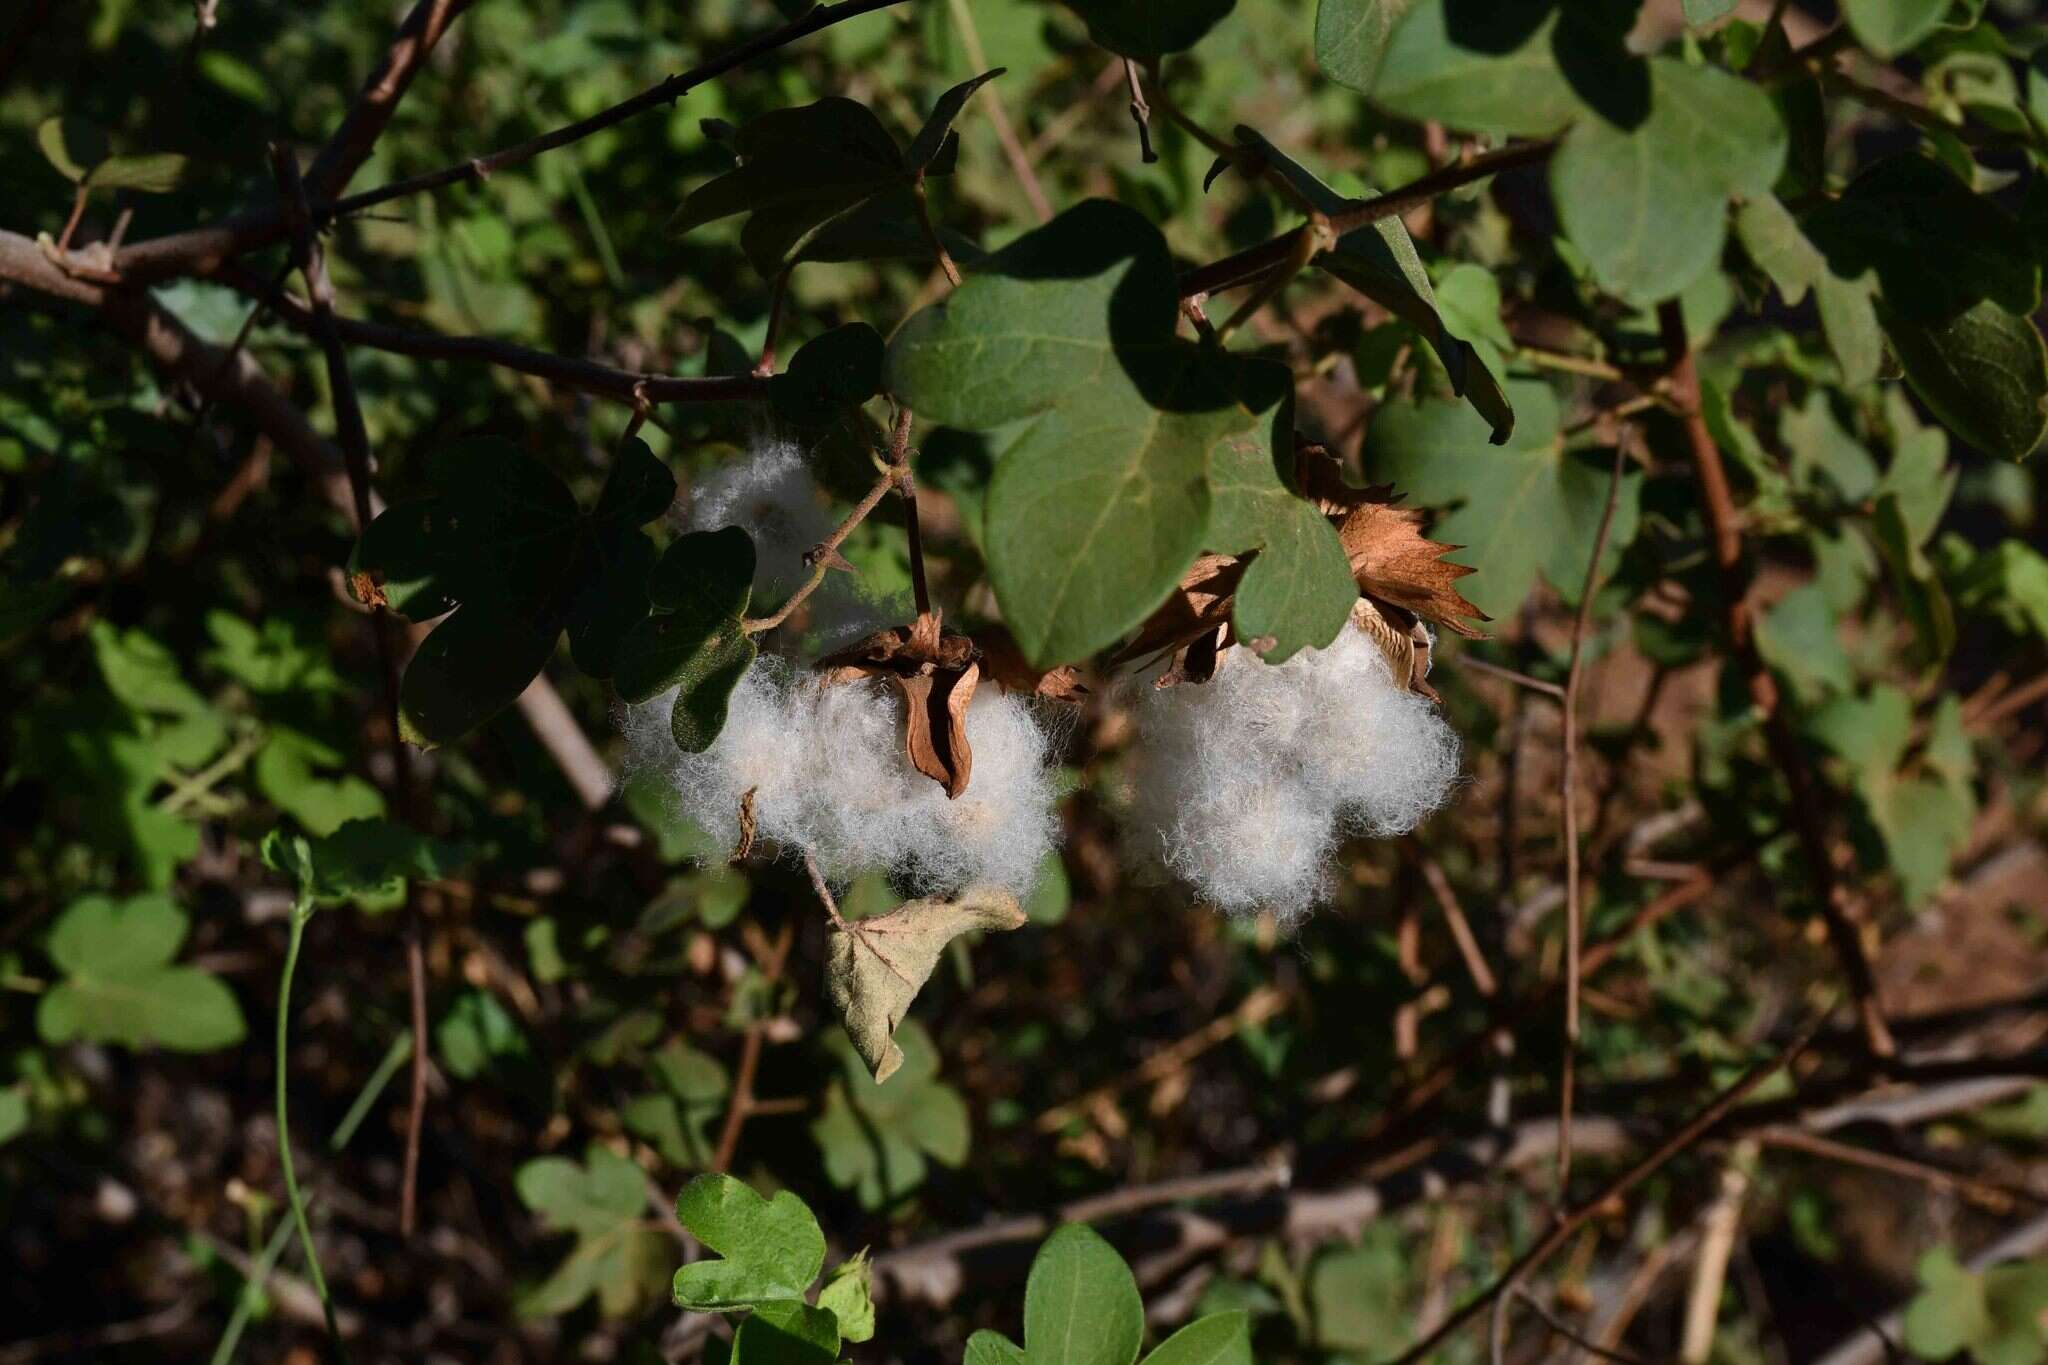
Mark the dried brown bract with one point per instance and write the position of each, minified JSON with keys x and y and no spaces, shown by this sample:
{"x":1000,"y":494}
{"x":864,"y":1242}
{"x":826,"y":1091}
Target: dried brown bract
{"x":1402,"y":576}
{"x":936,"y":674}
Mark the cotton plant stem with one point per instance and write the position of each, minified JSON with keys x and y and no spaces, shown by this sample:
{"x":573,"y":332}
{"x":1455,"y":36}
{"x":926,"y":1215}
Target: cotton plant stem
{"x":822,"y":554}
{"x":931,"y":231}
{"x":344,"y":1132}
{"x":741,"y":1106}
{"x":302,"y":911}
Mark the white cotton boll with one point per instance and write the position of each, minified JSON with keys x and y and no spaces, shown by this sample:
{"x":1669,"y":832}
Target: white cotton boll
{"x":830,"y":776}
{"x":769,"y":493}
{"x":1244,"y":784}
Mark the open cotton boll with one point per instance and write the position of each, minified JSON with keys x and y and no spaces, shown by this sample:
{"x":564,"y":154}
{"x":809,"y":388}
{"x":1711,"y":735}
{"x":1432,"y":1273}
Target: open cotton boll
{"x":829,"y":775}
{"x":1244,"y":784}
{"x":769,"y":493}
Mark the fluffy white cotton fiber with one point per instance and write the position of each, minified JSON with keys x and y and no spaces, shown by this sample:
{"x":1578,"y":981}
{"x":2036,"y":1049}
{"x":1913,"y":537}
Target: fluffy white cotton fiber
{"x":829,"y":775}
{"x":768,"y":492}
{"x":1243,"y":785}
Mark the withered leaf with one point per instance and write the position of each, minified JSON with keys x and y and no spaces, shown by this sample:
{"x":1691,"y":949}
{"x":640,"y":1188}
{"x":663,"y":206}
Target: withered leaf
{"x":875,"y":967}
{"x":1196,"y":607}
{"x":1004,"y":664}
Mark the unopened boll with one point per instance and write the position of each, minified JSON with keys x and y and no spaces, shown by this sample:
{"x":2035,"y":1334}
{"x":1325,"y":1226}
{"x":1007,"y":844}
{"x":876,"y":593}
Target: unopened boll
{"x":1243,"y":785}
{"x":830,"y":777}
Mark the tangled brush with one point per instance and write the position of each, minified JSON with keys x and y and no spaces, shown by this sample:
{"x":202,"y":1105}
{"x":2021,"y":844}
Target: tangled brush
{"x":1245,"y":784}
{"x":829,"y":776}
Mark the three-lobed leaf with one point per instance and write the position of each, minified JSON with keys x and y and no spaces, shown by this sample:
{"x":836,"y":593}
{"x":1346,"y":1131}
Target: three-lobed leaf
{"x":620,"y":1256}
{"x":1101,"y":497}
{"x":768,"y":1249}
{"x":121,"y":986}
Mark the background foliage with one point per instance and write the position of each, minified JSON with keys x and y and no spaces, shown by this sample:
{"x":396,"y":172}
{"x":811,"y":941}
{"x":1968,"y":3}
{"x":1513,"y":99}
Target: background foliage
{"x":1808,"y":235}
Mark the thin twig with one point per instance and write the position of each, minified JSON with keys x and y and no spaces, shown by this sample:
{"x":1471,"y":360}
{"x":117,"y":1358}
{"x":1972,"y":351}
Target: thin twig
{"x":1256,"y":262}
{"x":1141,"y":112}
{"x":1548,"y":689}
{"x":741,"y":1107}
{"x":1568,"y":790}
{"x":202,"y":250}
{"x":1564,"y":1228}
{"x":1557,"y":1325}
{"x":998,"y":115}
{"x":1461,"y":929}
{"x":931,"y":230}
{"x":302,"y":911}
{"x":822,"y":555}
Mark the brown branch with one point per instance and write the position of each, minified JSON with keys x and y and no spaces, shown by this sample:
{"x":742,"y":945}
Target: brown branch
{"x":1838,"y":908}
{"x":742,"y":1106}
{"x":352,"y":142}
{"x":1557,"y":1325}
{"x":203,"y":250}
{"x":1568,"y":790}
{"x":1461,"y":929}
{"x":584,"y":376}
{"x":1256,"y":262}
{"x":1996,"y":1195}
{"x":1568,"y":1226}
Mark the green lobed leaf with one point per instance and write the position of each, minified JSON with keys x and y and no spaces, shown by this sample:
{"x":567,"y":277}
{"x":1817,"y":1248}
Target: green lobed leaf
{"x":362,"y":859}
{"x":1648,"y":206}
{"x":1298,"y":590}
{"x":473,"y":665}
{"x":1798,"y":636}
{"x":770,"y":1248}
{"x":1984,"y":373}
{"x":620,"y":1256}
{"x":1100,"y":502}
{"x":875,"y":1136}
{"x":1469,"y":66}
{"x":1950,"y":1312}
{"x":1775,"y":241}
{"x":1527,"y":507}
{"x":121,"y":987}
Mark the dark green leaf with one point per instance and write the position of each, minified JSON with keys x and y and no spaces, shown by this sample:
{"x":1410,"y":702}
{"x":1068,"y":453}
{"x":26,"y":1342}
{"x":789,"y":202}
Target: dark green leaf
{"x":1081,"y":1305}
{"x":362,"y":859}
{"x":925,"y":146}
{"x":786,"y":1332}
{"x":474,"y":665}
{"x":1218,"y":1339}
{"x":1889,"y":27}
{"x":1147,"y":29}
{"x":1984,"y":374}
{"x":1100,"y":503}
{"x":1937,"y":248}
{"x":841,"y":369}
